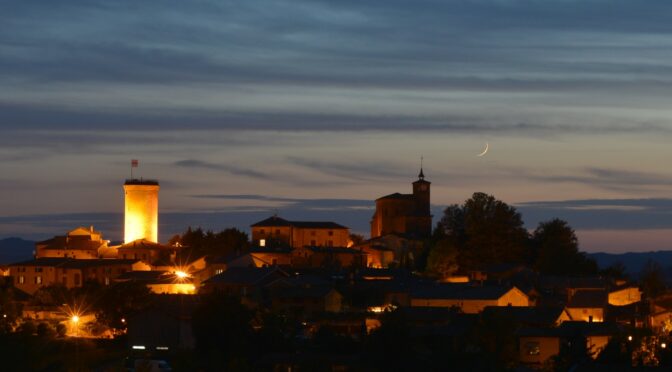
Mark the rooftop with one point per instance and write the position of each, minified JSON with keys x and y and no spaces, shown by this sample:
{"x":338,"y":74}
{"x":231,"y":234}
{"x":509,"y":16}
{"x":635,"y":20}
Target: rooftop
{"x":136,"y":181}
{"x":275,"y":221}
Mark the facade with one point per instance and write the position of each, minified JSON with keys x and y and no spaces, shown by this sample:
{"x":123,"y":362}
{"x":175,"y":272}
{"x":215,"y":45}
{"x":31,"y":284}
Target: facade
{"x":147,"y":251}
{"x":276,"y":232}
{"x":469,"y":299}
{"x":80,"y":243}
{"x":141,"y":216}
{"x":30,"y":276}
{"x":405,"y":214}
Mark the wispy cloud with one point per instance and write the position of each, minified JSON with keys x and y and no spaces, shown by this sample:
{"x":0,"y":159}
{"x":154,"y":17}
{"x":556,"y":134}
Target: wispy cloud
{"x":609,"y":179}
{"x":232,"y":169}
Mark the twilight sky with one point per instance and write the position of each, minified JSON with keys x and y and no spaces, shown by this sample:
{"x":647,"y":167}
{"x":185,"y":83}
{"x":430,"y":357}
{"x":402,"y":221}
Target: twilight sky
{"x":315,"y":108}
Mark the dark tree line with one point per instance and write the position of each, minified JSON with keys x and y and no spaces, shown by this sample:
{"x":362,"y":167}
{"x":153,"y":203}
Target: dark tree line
{"x":197,"y":243}
{"x":485,"y":231}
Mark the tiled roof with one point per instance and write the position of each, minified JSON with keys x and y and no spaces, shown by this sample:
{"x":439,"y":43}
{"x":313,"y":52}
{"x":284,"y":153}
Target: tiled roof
{"x":459,"y":292}
{"x":397,"y":195}
{"x":245,"y":275}
{"x":275,"y":221}
{"x":588,"y":299}
{"x":142,"y":243}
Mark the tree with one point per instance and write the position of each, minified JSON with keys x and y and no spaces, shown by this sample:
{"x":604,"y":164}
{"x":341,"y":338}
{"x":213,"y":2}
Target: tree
{"x":198,"y":243}
{"x":652,"y":279}
{"x":442,"y":260}
{"x":223,"y":333}
{"x":556,"y":250}
{"x":485,"y":230}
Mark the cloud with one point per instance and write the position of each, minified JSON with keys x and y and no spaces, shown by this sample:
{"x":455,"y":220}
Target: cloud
{"x":232,"y":169}
{"x":610,"y":179}
{"x":592,"y":214}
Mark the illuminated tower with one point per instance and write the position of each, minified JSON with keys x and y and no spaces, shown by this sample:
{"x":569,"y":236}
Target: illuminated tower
{"x":141,"y":217}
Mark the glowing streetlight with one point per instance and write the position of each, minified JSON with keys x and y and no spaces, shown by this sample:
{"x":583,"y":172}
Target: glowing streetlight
{"x":181,"y":274}
{"x":663,"y":345}
{"x":629,"y":338}
{"x":75,"y":319}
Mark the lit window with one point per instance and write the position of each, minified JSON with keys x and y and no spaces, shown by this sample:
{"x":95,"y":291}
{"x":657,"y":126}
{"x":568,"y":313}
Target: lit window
{"x":262,"y":242}
{"x":219,"y":271}
{"x":22,"y":279}
{"x":38,"y":279}
{"x":107,"y":280}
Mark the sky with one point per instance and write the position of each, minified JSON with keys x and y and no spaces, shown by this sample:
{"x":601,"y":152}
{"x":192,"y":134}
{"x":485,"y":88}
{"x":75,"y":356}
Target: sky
{"x":313,"y":109}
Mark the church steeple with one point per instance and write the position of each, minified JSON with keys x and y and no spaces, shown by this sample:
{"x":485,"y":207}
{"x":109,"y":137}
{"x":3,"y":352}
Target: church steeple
{"x":421,"y":175}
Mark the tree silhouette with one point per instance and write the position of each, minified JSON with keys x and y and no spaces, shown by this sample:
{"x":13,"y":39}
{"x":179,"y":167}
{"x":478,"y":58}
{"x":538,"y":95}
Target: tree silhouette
{"x":556,"y":250}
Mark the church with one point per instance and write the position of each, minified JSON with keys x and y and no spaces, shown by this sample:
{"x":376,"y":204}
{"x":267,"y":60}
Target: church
{"x":406,"y":215}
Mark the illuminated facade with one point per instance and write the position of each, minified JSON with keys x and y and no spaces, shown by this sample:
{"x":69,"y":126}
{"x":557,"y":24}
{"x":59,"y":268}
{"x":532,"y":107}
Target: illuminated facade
{"x":278,"y":232}
{"x":404,"y":214}
{"x":141,"y":215}
{"x":80,"y":243}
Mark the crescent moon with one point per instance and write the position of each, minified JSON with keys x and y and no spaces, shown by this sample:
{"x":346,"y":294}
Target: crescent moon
{"x":484,"y":151}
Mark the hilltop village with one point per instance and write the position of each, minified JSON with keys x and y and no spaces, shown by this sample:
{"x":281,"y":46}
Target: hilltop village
{"x":476,"y":291}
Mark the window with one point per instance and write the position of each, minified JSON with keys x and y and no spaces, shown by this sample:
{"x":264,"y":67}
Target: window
{"x":262,"y":232}
{"x":21,"y":279}
{"x":331,"y":233}
{"x":107,"y":280}
{"x":277,"y":232}
{"x":219,"y":271}
{"x":38,"y":279}
{"x":262,"y":242}
{"x":532,"y":348}
{"x":38,"y":269}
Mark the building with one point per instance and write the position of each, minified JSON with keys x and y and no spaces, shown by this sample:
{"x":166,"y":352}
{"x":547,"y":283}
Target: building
{"x":146,"y":250}
{"x":30,"y":276}
{"x":80,"y":243}
{"x":405,"y":214}
{"x":141,"y":216}
{"x":277,"y":232}
{"x":469,"y":299}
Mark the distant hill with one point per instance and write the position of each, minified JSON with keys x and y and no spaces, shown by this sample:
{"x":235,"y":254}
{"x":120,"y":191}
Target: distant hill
{"x":633,"y":262}
{"x":15,"y":250}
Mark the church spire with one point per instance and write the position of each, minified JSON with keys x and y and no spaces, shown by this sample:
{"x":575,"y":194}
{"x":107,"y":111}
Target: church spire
{"x":421,"y":175}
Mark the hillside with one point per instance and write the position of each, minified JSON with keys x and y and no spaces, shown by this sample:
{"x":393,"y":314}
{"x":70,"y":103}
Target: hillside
{"x":15,"y":250}
{"x":633,"y":262}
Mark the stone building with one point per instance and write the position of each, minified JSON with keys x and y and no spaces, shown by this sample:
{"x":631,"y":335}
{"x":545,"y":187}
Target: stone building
{"x":278,"y":232}
{"x":80,"y":243}
{"x":404,"y":214}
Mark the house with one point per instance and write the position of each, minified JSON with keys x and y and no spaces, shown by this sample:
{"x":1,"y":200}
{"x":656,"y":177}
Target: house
{"x":305,"y":301}
{"x":80,"y":243}
{"x":470,"y":299}
{"x":161,"y":282}
{"x":30,"y":276}
{"x":536,"y":345}
{"x":277,"y":232}
{"x":588,"y":305}
{"x":531,"y":316}
{"x":147,"y":251}
{"x":249,"y":283}
{"x":625,"y":295}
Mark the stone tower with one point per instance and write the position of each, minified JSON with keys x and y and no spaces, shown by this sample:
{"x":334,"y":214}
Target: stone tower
{"x":141,"y":215}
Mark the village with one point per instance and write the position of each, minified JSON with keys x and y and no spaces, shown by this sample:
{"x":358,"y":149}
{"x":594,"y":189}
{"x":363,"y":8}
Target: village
{"x":320,"y":281}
